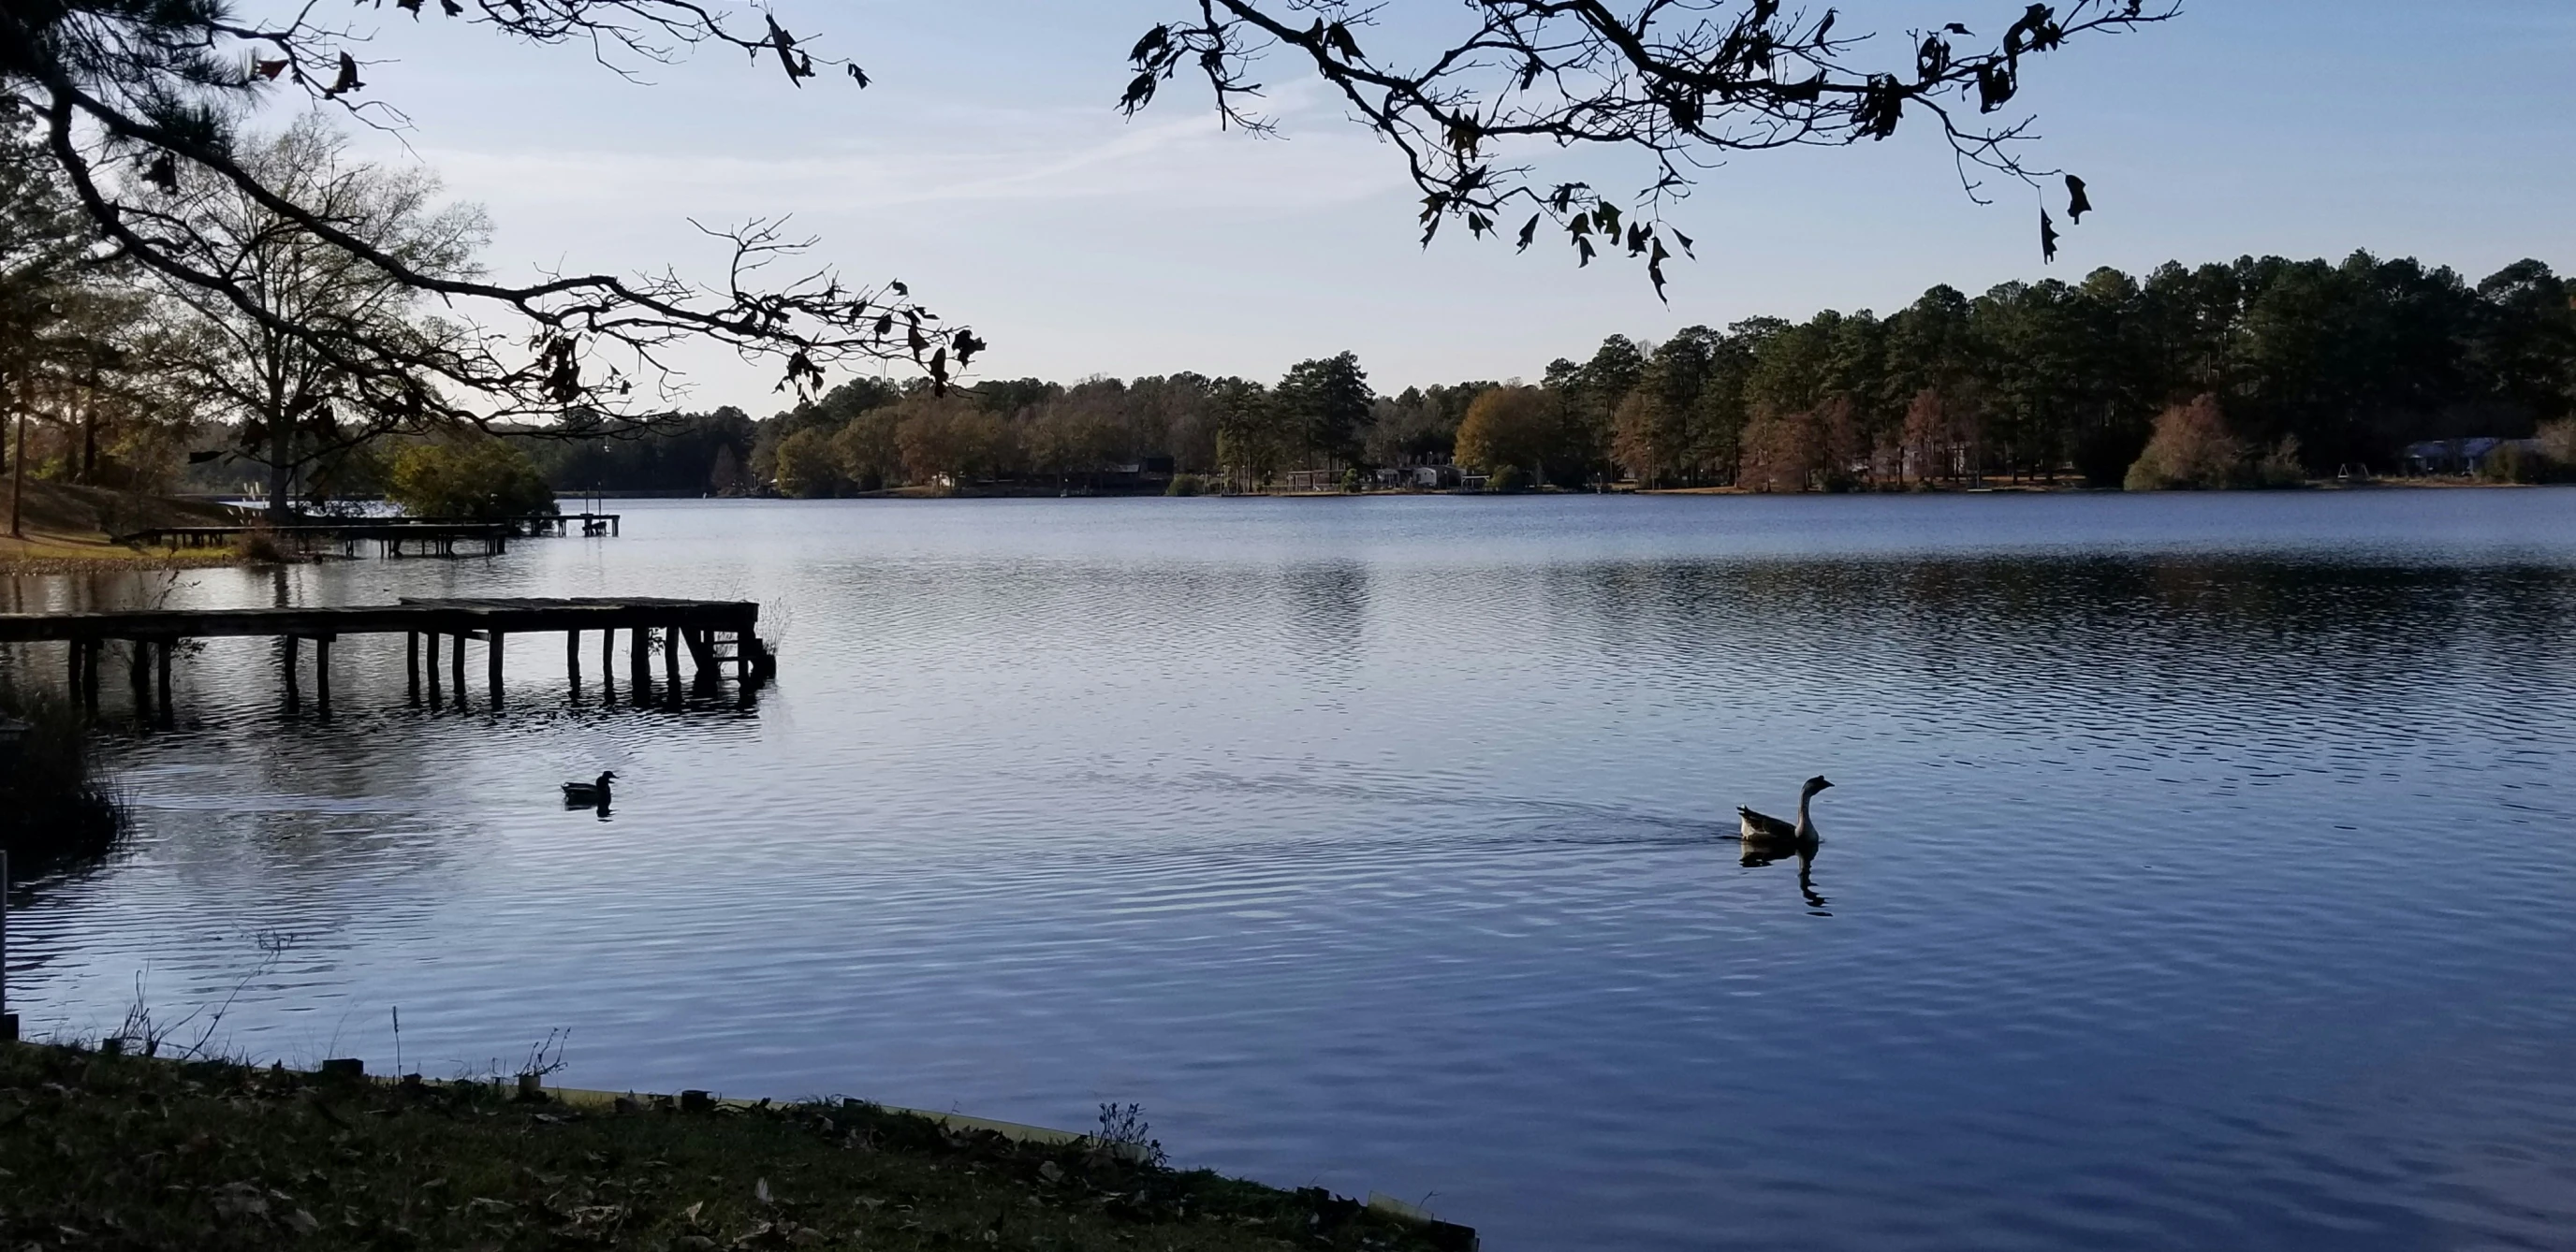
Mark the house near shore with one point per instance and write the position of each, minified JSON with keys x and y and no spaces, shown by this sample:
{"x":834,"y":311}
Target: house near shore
{"x":2461,"y":456}
{"x":1417,"y":477}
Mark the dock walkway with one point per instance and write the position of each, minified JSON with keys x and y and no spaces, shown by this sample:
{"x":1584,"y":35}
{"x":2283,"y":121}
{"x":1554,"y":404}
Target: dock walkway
{"x":393,"y":536}
{"x":718,"y":634}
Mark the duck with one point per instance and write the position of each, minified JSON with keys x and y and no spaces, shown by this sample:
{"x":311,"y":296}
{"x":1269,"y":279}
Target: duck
{"x":592,"y":794}
{"x":1762,"y":828}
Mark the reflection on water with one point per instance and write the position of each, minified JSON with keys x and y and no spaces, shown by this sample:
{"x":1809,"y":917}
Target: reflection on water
{"x":1390,"y":844}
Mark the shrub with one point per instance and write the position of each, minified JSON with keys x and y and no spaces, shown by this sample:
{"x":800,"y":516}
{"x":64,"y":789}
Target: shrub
{"x":2281,"y":467}
{"x":53,"y":808}
{"x":480,"y":478}
{"x":259,"y":544}
{"x":1186,"y":485}
{"x":2558,"y":444}
{"x":1510,"y":478}
{"x":2191,"y":449}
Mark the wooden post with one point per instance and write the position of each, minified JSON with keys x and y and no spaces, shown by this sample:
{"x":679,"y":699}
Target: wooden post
{"x":73,"y":651}
{"x":161,"y":659}
{"x":456,"y":665}
{"x":670,"y":665}
{"x":432,"y":667}
{"x":411,"y":662}
{"x":639,"y":665}
{"x":138,"y":675}
{"x":322,"y":675}
{"x":572,"y":660}
{"x":492,"y":662}
{"x":608,"y":666}
{"x":294,"y":680}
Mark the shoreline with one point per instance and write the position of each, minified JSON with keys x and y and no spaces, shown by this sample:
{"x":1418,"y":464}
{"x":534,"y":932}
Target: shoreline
{"x":214,"y":1153}
{"x":27,"y":557}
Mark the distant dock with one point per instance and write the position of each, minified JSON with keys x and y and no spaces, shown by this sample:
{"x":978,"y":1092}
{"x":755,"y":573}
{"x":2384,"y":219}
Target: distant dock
{"x":393,"y":536}
{"x":718,"y":635}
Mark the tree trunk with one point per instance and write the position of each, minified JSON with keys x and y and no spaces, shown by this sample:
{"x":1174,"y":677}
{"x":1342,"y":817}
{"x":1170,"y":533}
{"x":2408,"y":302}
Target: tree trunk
{"x":18,"y":473}
{"x":281,"y":470}
{"x":281,"y":457}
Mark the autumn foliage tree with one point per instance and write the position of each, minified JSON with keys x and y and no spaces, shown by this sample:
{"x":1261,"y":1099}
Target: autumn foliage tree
{"x":1514,"y":427}
{"x":2192,"y":448}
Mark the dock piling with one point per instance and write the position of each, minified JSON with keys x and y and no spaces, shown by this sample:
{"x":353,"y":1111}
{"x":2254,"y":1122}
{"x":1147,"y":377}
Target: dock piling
{"x":322,"y":675}
{"x":639,"y":666}
{"x":411,"y":663}
{"x":290,"y":646}
{"x":161,"y":658}
{"x":435,"y":699}
{"x":456,"y":666}
{"x":492,"y":663}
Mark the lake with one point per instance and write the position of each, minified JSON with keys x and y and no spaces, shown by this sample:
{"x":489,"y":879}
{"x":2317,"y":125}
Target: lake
{"x":2198,"y":874}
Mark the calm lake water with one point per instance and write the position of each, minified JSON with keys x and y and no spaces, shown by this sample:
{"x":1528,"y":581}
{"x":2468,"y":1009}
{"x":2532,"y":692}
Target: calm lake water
{"x":2199,"y":874}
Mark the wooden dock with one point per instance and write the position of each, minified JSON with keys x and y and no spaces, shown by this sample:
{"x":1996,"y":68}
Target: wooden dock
{"x":393,"y":536}
{"x":717,"y":635}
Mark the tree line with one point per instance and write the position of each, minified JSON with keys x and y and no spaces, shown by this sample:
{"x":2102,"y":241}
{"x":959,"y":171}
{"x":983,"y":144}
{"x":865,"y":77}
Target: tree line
{"x":2263,"y":369}
{"x":169,"y":269}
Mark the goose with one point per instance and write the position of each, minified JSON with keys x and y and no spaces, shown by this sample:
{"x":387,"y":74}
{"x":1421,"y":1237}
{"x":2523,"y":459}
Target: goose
{"x":1762,"y":828}
{"x":592,"y":794}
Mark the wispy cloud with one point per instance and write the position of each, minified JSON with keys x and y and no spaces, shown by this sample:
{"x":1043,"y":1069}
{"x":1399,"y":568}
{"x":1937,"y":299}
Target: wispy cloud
{"x":1180,"y":162}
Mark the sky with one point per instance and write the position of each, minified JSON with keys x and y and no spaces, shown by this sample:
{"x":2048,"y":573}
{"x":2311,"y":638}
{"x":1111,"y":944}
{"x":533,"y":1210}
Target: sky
{"x":987,"y":168}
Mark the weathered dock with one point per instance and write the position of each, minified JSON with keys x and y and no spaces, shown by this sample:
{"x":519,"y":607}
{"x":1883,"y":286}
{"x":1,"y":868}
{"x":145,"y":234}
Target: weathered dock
{"x":534,"y":524}
{"x":717,"y":635}
{"x":393,"y":536}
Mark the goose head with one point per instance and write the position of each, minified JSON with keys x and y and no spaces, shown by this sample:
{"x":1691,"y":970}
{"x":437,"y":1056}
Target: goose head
{"x":1814,"y":785}
{"x":605,"y":775}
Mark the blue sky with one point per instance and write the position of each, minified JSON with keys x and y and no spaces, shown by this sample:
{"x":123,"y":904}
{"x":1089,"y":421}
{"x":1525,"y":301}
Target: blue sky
{"x":987,"y":169}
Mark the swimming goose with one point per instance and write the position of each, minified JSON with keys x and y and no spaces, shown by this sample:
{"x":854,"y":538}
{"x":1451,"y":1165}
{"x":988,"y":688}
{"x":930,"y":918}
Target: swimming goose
{"x":590,"y":794}
{"x":1760,"y":828}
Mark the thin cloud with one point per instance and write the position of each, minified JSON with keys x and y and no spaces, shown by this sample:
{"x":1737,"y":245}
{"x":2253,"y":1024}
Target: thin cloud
{"x":1183,"y":162}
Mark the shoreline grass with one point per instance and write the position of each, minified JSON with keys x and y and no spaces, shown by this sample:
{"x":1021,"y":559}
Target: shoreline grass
{"x":100,"y":1148}
{"x":69,"y":529}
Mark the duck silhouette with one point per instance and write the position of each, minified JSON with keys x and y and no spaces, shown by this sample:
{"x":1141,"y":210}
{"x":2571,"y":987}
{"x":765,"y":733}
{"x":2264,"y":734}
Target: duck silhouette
{"x":588,"y":795}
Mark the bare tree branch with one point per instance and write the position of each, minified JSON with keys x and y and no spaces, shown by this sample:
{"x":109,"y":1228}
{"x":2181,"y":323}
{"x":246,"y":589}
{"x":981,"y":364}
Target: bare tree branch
{"x":154,"y":87}
{"x":1682,"y":82}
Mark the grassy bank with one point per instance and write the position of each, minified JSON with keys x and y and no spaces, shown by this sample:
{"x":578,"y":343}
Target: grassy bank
{"x":118,"y":1151}
{"x":68,"y":529}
